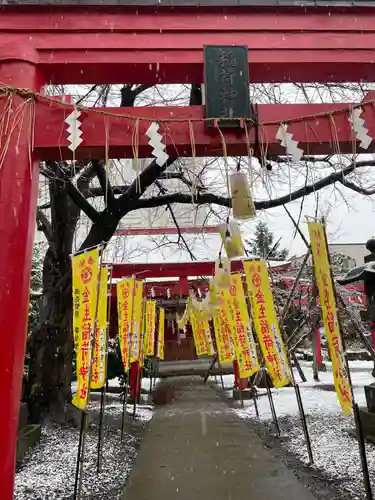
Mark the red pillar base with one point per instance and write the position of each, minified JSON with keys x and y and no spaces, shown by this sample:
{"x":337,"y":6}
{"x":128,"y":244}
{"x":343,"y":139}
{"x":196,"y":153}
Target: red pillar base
{"x":135,"y":381}
{"x":18,"y":197}
{"x":239,"y":383}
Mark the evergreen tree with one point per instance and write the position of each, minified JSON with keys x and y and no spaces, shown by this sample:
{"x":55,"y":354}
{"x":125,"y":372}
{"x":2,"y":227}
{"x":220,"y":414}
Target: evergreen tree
{"x":263,"y":244}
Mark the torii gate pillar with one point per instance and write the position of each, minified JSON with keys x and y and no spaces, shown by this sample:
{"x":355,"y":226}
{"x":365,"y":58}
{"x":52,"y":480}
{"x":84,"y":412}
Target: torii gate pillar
{"x":18,"y":199}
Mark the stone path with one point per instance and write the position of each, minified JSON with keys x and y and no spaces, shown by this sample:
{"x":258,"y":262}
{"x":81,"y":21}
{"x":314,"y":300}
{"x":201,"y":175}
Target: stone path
{"x":196,"y":448}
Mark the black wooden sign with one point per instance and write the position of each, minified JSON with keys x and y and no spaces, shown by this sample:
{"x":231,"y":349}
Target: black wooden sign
{"x":226,"y":81}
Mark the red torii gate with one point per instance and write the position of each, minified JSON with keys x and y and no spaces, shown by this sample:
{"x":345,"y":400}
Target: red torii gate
{"x":62,"y":44}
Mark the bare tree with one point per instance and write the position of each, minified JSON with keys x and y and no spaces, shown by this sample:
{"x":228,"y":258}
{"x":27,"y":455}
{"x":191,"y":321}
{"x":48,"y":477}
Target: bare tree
{"x":81,"y":203}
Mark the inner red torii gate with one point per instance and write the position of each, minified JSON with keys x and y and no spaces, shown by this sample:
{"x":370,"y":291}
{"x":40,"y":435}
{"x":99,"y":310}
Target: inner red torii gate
{"x":62,"y":44}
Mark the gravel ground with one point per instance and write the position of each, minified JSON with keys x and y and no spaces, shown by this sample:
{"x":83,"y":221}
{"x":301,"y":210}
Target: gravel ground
{"x":49,"y":470}
{"x":336,"y":473}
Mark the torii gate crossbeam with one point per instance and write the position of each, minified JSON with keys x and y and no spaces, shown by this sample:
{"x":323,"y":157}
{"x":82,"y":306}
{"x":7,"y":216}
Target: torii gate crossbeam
{"x":164,"y":45}
{"x":76,"y":45}
{"x":317,"y":136}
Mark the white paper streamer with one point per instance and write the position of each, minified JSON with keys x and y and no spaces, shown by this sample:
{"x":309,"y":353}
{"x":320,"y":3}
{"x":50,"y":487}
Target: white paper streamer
{"x":74,"y":130}
{"x":358,"y":126}
{"x":156,"y":143}
{"x":289,"y":144}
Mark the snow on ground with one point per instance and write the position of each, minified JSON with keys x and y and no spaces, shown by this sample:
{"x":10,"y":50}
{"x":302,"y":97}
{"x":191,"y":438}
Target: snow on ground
{"x":49,"y":470}
{"x":335,"y":452}
{"x":115,"y":382}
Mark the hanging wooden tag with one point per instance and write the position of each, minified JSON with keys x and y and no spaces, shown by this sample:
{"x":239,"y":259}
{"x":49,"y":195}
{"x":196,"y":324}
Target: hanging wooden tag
{"x":242,"y":201}
{"x":232,"y":241}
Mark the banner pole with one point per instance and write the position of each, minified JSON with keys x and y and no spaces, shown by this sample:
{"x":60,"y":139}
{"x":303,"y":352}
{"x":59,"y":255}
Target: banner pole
{"x":92,"y":340}
{"x":357,"y":417}
{"x":104,"y":388}
{"x":272,"y":406}
{"x":210,"y":368}
{"x":124,"y":411}
{"x":140,"y":359}
{"x":255,"y":402}
{"x":139,"y":370}
{"x":297,"y":390}
{"x":151,"y":374}
{"x":254,"y":396}
{"x":127,"y":382}
{"x":220,"y":373}
{"x":304,"y":424}
{"x":241,"y":394}
{"x":362,"y":451}
{"x":101,"y":416}
{"x":301,"y":410}
{"x":78,"y":463}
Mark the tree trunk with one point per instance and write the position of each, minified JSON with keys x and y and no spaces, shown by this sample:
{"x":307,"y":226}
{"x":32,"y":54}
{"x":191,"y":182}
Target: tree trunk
{"x":50,"y":345}
{"x":51,"y":360}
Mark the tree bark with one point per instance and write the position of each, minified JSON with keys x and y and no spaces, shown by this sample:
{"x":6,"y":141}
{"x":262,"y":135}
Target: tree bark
{"x":50,"y":347}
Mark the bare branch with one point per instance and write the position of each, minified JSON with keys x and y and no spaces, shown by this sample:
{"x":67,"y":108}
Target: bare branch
{"x":104,"y":182}
{"x":180,"y":235}
{"x":357,"y":189}
{"x":45,"y":225}
{"x":337,"y":176}
{"x":141,"y":88}
{"x":81,"y":202}
{"x":168,"y":199}
{"x":210,"y":198}
{"x":146,"y":178}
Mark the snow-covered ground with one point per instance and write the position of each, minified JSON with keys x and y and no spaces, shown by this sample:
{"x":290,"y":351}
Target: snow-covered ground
{"x":336,"y":453}
{"x":48,"y":472}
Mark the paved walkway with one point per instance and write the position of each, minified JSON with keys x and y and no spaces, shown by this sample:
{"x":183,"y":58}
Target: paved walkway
{"x":197,"y":449}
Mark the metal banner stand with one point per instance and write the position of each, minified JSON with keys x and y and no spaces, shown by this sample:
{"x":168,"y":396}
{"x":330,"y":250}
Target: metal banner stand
{"x":104,"y":388}
{"x":272,"y":406}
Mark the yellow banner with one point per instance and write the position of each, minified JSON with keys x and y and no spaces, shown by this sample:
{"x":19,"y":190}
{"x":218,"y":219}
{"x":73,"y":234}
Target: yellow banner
{"x":160,"y":347}
{"x":329,"y":311}
{"x":198,"y":332}
{"x":243,"y":338}
{"x":99,"y":361}
{"x":135,"y":336}
{"x":265,"y":321}
{"x":85,"y":269}
{"x":125,"y":299}
{"x":223,"y":326}
{"x":150,"y":320}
